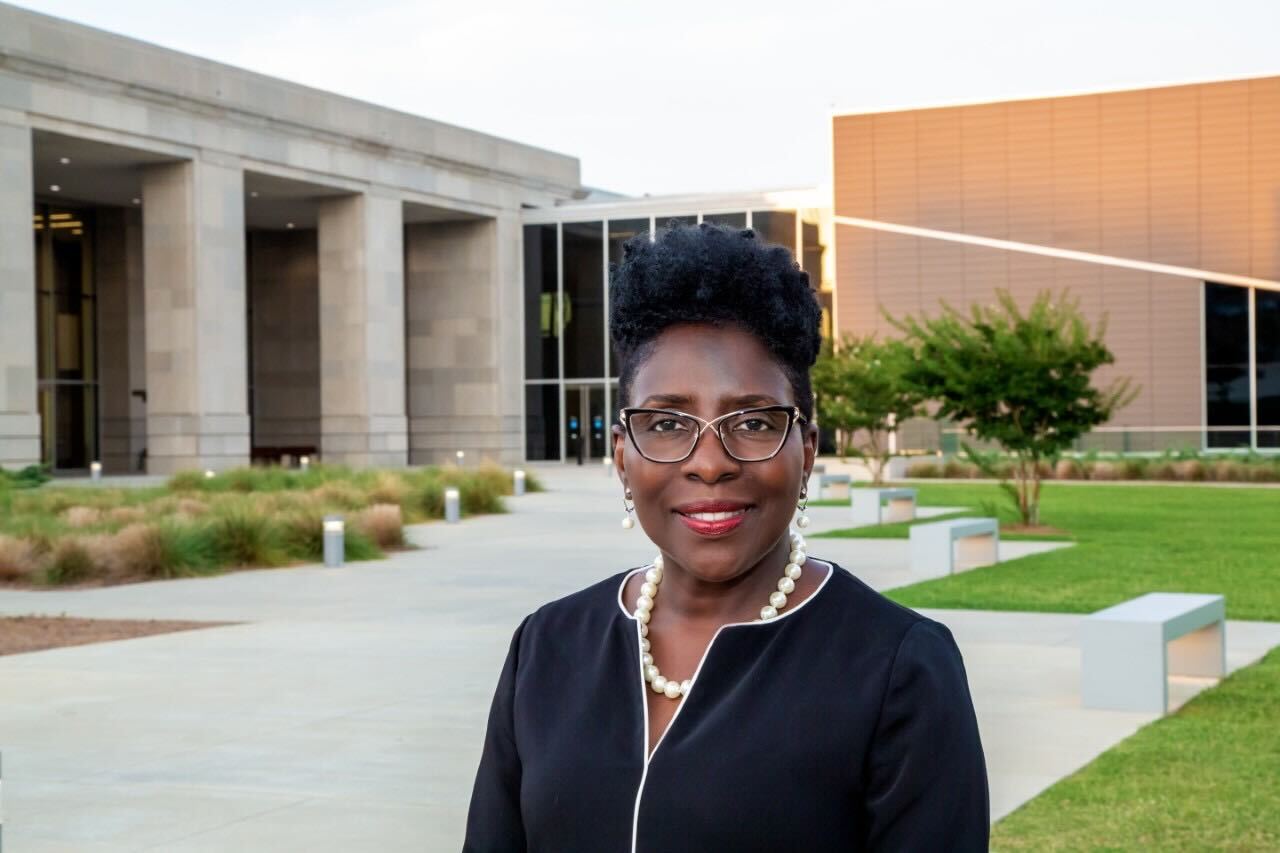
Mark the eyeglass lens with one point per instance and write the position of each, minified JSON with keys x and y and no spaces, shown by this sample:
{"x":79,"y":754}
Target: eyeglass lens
{"x":748,"y":436}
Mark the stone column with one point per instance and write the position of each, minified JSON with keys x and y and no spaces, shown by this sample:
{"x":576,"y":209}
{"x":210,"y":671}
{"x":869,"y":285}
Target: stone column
{"x":465,"y":363}
{"x":194,"y":271}
{"x":362,"y":356}
{"x":19,"y":412}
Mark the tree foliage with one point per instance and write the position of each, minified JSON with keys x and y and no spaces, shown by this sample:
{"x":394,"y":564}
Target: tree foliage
{"x":860,"y":393}
{"x":1019,"y":379}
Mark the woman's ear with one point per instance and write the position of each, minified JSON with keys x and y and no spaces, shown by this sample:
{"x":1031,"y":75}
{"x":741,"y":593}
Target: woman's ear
{"x":619,"y":451}
{"x":810,"y":443}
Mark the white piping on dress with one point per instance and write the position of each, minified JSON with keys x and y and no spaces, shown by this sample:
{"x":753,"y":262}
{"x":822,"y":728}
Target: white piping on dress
{"x":693,"y":680}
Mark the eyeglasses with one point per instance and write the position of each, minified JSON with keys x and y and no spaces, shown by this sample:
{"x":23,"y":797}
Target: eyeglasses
{"x":748,"y":435}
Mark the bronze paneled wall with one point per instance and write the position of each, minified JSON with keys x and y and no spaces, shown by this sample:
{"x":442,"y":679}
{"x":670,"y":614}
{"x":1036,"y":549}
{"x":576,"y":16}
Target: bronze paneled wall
{"x":1185,"y":175}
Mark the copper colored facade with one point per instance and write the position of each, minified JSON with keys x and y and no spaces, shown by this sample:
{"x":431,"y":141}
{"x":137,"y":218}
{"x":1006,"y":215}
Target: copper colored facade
{"x":1183,"y":175}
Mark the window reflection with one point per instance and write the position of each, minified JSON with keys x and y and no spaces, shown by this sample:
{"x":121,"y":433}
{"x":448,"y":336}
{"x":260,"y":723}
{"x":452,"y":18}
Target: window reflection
{"x":541,"y":325}
{"x":1267,"y":330}
{"x":584,"y":283}
{"x":1227,"y":363}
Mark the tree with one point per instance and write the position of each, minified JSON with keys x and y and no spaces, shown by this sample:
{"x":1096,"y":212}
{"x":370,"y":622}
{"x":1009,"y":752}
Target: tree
{"x":860,"y":393}
{"x":1021,"y":380}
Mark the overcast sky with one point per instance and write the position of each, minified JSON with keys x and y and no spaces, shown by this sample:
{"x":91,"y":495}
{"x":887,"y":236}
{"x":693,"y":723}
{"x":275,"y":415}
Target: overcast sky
{"x":700,"y":96}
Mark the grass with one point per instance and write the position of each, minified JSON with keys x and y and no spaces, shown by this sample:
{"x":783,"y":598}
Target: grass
{"x":1129,"y":541}
{"x":247,"y":517}
{"x":1203,"y":778}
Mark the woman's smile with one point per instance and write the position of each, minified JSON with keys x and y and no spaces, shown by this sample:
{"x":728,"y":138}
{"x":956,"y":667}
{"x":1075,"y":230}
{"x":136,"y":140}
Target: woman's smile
{"x":712,"y":517}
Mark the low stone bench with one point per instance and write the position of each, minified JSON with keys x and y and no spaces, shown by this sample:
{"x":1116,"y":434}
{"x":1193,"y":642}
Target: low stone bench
{"x":869,"y":505}
{"x":819,"y":480}
{"x":1128,"y":651}
{"x":956,"y":544}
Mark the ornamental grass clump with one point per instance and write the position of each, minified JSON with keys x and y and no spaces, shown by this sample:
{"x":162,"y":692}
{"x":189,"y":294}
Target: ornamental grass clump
{"x":383,"y":524}
{"x":70,"y":561}
{"x":18,"y":560}
{"x":240,"y":537}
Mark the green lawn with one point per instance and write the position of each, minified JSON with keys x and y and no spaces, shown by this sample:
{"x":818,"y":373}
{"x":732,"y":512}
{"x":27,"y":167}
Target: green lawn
{"x":1205,"y":778}
{"x":1129,"y":540}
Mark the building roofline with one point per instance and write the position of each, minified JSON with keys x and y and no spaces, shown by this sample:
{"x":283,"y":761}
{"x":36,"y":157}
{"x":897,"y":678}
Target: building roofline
{"x":836,"y":112}
{"x":225,"y":82}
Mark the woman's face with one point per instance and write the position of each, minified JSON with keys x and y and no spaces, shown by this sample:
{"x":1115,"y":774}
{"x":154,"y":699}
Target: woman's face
{"x":708,"y":371}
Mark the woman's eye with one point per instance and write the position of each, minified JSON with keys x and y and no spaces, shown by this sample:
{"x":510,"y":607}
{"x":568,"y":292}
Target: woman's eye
{"x":754,"y":425}
{"x":666,"y":425}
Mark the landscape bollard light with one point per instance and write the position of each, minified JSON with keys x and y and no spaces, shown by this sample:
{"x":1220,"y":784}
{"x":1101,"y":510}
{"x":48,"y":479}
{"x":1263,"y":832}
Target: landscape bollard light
{"x":208,"y":474}
{"x":95,"y":471}
{"x":460,"y":455}
{"x":304,"y":462}
{"x":334,"y":541}
{"x":452,"y":506}
{"x":518,"y":487}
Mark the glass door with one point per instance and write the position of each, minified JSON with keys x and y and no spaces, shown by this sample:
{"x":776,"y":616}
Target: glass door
{"x":586,"y":423}
{"x":66,"y":338}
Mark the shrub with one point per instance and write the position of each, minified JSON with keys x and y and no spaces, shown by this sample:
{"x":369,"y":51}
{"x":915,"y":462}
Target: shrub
{"x":341,"y":494}
{"x":1068,"y":469}
{"x":82,"y":516}
{"x":388,"y":488}
{"x":138,"y":551}
{"x":240,"y":537}
{"x":383,"y":524}
{"x":187,"y":481}
{"x":302,"y":533}
{"x":924,"y":470}
{"x":70,"y":562}
{"x":126,"y":514}
{"x":1190,"y":470}
{"x":18,"y":560}
{"x":1104,"y":470}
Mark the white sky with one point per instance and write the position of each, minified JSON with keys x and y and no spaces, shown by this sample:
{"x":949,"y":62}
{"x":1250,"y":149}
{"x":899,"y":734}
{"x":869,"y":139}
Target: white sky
{"x":700,"y":96}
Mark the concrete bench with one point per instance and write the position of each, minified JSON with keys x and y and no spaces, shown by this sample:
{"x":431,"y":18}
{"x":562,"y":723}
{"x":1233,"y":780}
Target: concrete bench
{"x":819,"y":480}
{"x":869,"y":505}
{"x":956,"y":544}
{"x":1128,"y":651}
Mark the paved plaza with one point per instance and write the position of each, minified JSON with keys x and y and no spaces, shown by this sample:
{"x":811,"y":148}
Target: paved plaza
{"x":346,"y":709}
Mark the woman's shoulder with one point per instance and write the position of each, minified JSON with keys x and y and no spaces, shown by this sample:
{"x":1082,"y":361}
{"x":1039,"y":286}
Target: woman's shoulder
{"x":859,"y":614}
{"x":597,"y":603}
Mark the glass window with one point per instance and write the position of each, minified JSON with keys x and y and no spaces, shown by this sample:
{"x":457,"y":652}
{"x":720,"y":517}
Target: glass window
{"x":583,"y":299}
{"x":1266,"y":314}
{"x":620,"y":231}
{"x":776,"y":226}
{"x":1226,"y":329}
{"x":733,"y":220}
{"x":542,"y":421}
{"x":541,"y":325}
{"x":665,"y":223}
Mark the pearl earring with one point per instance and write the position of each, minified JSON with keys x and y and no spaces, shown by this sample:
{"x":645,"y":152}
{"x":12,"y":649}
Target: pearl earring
{"x":803,"y":520}
{"x":628,"y":522}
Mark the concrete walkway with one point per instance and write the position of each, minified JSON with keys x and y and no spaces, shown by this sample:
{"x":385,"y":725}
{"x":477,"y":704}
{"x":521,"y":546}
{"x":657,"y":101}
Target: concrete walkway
{"x":347,"y":711}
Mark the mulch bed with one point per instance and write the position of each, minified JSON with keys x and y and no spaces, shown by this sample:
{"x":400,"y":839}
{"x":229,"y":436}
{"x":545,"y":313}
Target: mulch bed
{"x":19,"y":634}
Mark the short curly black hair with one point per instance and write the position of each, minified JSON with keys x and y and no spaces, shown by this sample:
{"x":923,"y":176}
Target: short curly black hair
{"x":716,"y":275}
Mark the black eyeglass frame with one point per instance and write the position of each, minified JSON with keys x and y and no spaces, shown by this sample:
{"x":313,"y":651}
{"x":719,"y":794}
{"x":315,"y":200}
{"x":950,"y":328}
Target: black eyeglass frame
{"x":713,"y":425}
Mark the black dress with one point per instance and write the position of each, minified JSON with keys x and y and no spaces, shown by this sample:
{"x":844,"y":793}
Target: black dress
{"x":843,"y":724}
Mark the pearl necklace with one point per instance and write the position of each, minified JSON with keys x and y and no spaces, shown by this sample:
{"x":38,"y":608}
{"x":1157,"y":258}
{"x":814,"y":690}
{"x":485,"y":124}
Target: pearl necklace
{"x":671,"y":688}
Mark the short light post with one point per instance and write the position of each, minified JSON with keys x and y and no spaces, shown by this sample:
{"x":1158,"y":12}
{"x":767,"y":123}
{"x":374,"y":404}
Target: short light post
{"x":304,"y":462}
{"x":95,"y":471}
{"x":334,"y":541}
{"x":517,"y":487}
{"x":460,"y":456}
{"x":208,"y":474}
{"x":452,"y":506}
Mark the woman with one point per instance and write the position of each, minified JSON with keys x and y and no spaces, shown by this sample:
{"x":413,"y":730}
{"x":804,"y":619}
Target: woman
{"x":735,"y":694}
